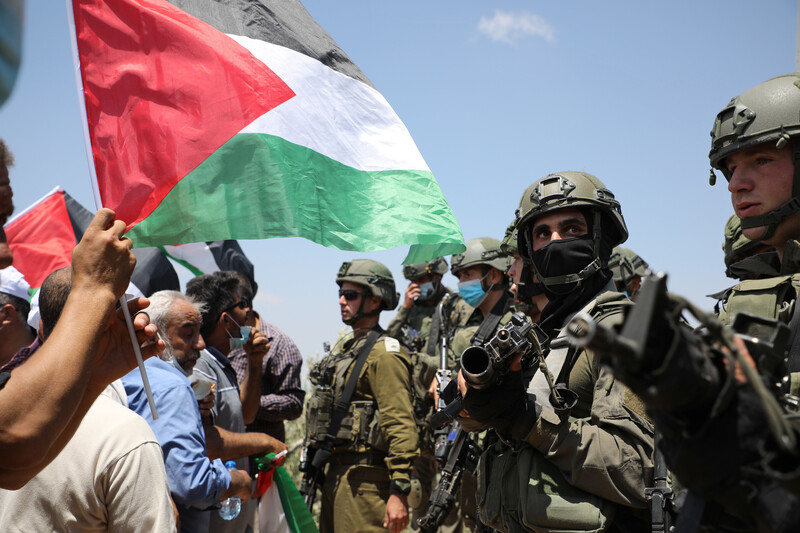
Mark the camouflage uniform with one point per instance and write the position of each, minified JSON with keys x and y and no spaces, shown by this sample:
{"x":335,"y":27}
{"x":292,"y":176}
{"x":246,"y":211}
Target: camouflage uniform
{"x":585,"y":466}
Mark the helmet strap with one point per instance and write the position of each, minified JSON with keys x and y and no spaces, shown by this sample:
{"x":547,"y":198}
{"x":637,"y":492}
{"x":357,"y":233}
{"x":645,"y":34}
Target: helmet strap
{"x":590,"y":269}
{"x":772,"y":219}
{"x":360,"y":313}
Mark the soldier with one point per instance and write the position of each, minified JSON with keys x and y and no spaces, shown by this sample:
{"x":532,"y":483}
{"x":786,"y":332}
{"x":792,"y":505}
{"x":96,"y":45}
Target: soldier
{"x":529,"y":296}
{"x":628,"y":269}
{"x":582,"y":464}
{"x":724,"y":435}
{"x":424,"y":292}
{"x":421,"y":327}
{"x":483,"y":283}
{"x":368,"y":476}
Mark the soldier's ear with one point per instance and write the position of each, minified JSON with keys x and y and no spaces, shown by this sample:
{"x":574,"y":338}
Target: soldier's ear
{"x":374,"y":303}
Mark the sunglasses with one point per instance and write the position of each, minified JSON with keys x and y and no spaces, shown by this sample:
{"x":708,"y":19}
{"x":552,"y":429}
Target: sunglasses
{"x":349,"y":294}
{"x":244,"y":303}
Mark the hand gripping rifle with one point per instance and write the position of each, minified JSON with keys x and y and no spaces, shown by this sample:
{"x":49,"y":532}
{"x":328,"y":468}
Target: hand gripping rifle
{"x":672,"y":367}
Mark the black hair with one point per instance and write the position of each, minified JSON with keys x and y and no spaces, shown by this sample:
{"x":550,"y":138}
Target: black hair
{"x":216,"y":292}
{"x":53,"y":297}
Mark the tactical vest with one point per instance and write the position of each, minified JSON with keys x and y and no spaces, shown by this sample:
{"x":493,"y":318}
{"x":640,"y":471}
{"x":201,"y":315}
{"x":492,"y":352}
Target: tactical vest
{"x":361,"y":425}
{"x":769,"y":298}
{"x":520,"y":490}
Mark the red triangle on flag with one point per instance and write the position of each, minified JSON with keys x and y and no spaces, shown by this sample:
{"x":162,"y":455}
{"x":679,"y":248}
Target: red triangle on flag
{"x":163,"y":91}
{"x":42,"y":239}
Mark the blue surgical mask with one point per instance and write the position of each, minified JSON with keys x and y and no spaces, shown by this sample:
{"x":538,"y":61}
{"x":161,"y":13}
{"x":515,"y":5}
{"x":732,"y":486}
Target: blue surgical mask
{"x":244,"y":331}
{"x":472,"y":292}
{"x":426,"y":290}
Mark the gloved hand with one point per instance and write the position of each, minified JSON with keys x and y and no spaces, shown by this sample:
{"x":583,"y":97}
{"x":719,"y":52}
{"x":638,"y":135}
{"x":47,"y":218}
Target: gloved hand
{"x":507,"y":408}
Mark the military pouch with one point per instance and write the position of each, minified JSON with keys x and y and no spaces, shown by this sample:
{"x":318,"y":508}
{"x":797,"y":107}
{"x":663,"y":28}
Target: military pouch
{"x":356,"y":424}
{"x":769,"y":298}
{"x":318,"y":417}
{"x":374,"y":437}
{"x":523,"y":491}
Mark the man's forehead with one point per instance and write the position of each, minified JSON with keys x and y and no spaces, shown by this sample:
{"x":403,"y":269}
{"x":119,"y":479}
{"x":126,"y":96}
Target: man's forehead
{"x":558,"y":216}
{"x":184,"y":313}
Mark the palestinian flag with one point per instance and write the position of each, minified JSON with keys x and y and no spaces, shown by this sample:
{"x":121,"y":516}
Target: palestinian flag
{"x":43,"y":235}
{"x":214,"y":120}
{"x":208,"y":257}
{"x":281,"y":508}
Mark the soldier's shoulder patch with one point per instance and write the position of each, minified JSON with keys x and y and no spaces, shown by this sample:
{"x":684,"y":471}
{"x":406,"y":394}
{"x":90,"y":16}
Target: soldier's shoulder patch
{"x":391,"y":345}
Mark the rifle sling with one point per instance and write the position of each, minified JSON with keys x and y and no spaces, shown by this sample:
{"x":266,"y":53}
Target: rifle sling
{"x":490,"y":322}
{"x":343,"y":402}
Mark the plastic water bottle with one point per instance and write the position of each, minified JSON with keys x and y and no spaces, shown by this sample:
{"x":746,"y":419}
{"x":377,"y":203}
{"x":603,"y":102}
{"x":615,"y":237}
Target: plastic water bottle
{"x":230,"y":507}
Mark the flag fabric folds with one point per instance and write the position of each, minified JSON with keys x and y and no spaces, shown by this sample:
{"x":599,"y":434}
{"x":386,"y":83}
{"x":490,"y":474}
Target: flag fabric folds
{"x":43,"y":235}
{"x":244,"y":120}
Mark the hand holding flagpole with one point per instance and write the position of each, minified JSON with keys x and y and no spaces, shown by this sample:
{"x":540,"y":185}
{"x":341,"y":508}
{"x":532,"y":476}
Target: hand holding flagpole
{"x":99,"y":204}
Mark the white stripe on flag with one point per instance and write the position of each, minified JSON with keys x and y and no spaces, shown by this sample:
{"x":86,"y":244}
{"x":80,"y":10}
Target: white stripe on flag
{"x":333,"y":114}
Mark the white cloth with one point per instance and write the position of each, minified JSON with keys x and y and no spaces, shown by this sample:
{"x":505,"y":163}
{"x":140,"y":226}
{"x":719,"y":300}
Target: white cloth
{"x":109,"y":477}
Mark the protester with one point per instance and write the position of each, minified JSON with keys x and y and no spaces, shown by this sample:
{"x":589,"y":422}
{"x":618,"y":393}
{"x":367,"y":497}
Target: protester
{"x":197,"y":483}
{"x":14,"y":308}
{"x":179,"y":319}
{"x":6,"y":204}
{"x":282,"y":393}
{"x":110,"y":476}
{"x":43,"y":401}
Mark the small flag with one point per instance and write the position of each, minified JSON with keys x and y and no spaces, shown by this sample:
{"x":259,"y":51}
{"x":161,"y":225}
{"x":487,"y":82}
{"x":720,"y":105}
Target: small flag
{"x":281,"y":508}
{"x":244,"y":120}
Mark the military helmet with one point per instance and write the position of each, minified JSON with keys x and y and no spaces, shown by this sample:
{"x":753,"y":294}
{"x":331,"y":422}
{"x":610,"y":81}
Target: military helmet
{"x":417,"y":270}
{"x":371,"y":274}
{"x":736,"y":245}
{"x":569,"y":189}
{"x":767,"y":113}
{"x":481,"y":251}
{"x":509,"y":243}
{"x":626,"y":264}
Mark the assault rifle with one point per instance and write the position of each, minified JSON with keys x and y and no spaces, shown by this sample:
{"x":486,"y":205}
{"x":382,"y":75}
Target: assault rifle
{"x":314,"y":457}
{"x":486,"y":366}
{"x":454,"y":448}
{"x":461,"y":454}
{"x":676,"y":370}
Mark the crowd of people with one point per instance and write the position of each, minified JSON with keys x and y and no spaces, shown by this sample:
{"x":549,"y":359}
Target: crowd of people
{"x":573,"y":434}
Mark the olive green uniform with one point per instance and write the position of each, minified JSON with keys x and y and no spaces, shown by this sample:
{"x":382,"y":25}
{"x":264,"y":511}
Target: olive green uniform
{"x":578,"y":471}
{"x":382,"y":448}
{"x":419,"y":318}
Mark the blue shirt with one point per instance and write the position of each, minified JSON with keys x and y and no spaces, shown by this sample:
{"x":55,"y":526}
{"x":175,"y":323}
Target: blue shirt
{"x":194,"y":480}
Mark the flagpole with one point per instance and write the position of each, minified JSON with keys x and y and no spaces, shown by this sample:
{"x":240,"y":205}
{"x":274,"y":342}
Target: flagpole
{"x":99,"y":201}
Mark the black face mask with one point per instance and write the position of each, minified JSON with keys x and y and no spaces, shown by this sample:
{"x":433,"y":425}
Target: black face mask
{"x":526,"y":287}
{"x":560,"y":258}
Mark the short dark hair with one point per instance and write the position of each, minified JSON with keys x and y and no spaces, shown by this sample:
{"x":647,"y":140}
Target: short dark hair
{"x":215,"y":292}
{"x":53,"y":297}
{"x":22,"y":306}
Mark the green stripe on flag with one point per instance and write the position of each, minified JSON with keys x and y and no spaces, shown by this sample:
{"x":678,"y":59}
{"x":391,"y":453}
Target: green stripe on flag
{"x":260,"y":186}
{"x":298,"y":517}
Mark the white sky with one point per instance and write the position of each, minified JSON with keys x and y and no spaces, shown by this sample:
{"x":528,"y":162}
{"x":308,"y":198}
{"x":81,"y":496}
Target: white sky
{"x":496,"y":95}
